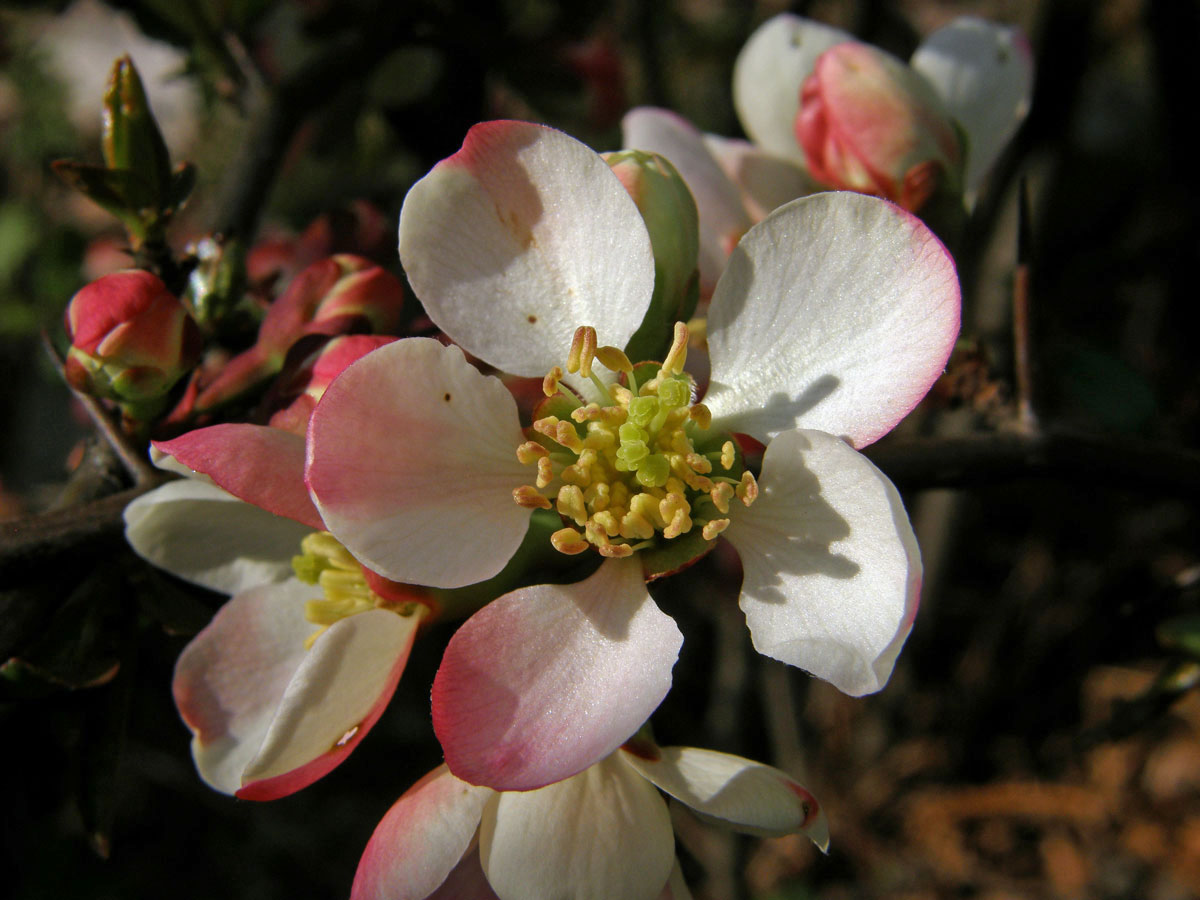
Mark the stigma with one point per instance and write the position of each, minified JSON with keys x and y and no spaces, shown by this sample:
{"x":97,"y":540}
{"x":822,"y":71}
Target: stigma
{"x":324,"y":562}
{"x":635,"y":467}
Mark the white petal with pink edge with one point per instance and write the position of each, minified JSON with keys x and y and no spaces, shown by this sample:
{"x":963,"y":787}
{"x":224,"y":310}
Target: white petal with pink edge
{"x":604,"y":833}
{"x":229,"y":679}
{"x":521,"y":237}
{"x":412,"y":463}
{"x":768,"y":74}
{"x":421,"y":840}
{"x":832,"y":569}
{"x":737,"y":792}
{"x":723,"y":218}
{"x":203,"y":534}
{"x":547,"y":680}
{"x":336,"y":693}
{"x":984,"y":74}
{"x":258,"y":464}
{"x":836,"y":312}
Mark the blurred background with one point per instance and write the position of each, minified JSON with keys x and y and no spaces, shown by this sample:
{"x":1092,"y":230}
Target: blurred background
{"x":1040,"y":737}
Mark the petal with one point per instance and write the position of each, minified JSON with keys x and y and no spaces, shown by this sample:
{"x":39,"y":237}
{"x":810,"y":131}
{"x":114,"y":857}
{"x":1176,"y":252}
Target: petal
{"x":836,"y":312}
{"x":229,"y":679}
{"x":740,"y":793}
{"x":336,"y":695}
{"x":984,"y":74}
{"x":767,"y":76}
{"x":546,"y":680}
{"x":421,"y":840}
{"x":261,"y":465}
{"x":602,"y":834}
{"x":766,"y":181}
{"x":521,"y":237}
{"x":832,"y":570}
{"x":466,"y":881}
{"x":204,"y":535}
{"x":676,"y":888}
{"x":412,"y":463}
{"x":723,"y":218}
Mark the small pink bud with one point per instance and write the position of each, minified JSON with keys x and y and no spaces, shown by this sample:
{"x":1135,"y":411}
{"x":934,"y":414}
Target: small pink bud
{"x":871,"y":124}
{"x":131,"y":338}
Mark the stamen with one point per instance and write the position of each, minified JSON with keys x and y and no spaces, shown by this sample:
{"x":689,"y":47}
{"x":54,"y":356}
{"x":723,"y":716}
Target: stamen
{"x":570,"y":504}
{"x":721,"y":494}
{"x":728,"y":455}
{"x":528,"y":497}
{"x":531,"y":451}
{"x":583,"y":351}
{"x":551,"y":381}
{"x":701,"y":415}
{"x":615,"y":360}
{"x":545,"y":472}
{"x":714,"y":527}
{"x":568,"y":541}
{"x":677,"y":355}
{"x":747,"y":491}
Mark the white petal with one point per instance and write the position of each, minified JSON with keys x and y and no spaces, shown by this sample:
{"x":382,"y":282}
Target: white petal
{"x":832,"y":569}
{"x":421,"y":840}
{"x":336,"y":686}
{"x":603,"y":834}
{"x":202,"y":534}
{"x":676,"y":888}
{"x":836,"y":312}
{"x":229,"y":679}
{"x":521,"y":237}
{"x":412,"y":463}
{"x":766,"y":181}
{"x":768,"y":74}
{"x":544,"y":681}
{"x":723,"y":218}
{"x":984,"y":74}
{"x":740,"y":793}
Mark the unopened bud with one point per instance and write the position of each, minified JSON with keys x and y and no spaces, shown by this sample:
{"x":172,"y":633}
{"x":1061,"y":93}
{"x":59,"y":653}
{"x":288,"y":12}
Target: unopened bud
{"x":870,"y":123}
{"x":131,"y":339}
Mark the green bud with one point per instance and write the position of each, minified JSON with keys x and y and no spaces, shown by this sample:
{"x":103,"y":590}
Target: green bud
{"x":131,"y":139}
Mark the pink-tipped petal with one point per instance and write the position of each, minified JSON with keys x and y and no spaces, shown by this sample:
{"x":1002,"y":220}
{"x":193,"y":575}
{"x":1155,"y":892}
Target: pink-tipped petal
{"x":832,"y":569}
{"x":837,"y":312}
{"x":739,"y":793}
{"x":229,"y":679}
{"x":602,"y":834}
{"x":768,"y":74}
{"x":335,"y":696}
{"x":723,"y":218}
{"x":412,"y":463}
{"x":203,"y":534}
{"x":984,"y":74}
{"x":765,"y":180}
{"x":546,"y":680}
{"x":521,"y":237}
{"x":419,"y":844}
{"x":258,"y":464}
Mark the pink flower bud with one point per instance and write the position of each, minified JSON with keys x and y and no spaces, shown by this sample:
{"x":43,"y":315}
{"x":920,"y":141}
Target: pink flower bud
{"x":871,"y":124}
{"x":131,"y":339}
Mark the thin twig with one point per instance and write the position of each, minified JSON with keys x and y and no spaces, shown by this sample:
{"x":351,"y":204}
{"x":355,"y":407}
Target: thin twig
{"x":1027,"y":420}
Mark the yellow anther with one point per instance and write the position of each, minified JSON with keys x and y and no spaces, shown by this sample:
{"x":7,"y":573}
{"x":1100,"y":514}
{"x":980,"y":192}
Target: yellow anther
{"x":590,"y":413}
{"x":728,"y":455}
{"x":599,"y":437}
{"x":677,"y":355}
{"x":596,"y":495}
{"x":698,"y":463}
{"x":570,"y":503}
{"x":647,"y":506}
{"x":698,"y":482}
{"x":546,"y":425}
{"x":721,"y":494}
{"x":566,"y":435}
{"x":583,"y":351}
{"x":550,"y":382}
{"x":747,"y":491}
{"x":675,"y":511}
{"x":714,"y":527}
{"x":545,"y":473}
{"x":700,"y":414}
{"x":609,"y":522}
{"x":568,"y":541}
{"x":681,"y":523}
{"x":615,"y":551}
{"x":635,"y":525}
{"x":614,"y":359}
{"x":530,"y":452}
{"x":528,"y":497}
{"x":622,"y":395}
{"x":577,"y":474}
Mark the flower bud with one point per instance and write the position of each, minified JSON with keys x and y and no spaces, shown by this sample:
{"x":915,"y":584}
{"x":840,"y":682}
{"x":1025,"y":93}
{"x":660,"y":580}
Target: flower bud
{"x":131,"y":139}
{"x":131,"y":339}
{"x":870,"y":123}
{"x":667,"y":208}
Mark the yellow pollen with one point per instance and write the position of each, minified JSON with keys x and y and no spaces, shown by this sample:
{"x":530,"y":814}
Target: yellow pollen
{"x":640,"y":463}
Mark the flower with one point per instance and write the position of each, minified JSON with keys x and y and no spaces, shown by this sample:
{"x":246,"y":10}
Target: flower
{"x":282,"y":685}
{"x":131,"y":339}
{"x":832,"y":319}
{"x":600,"y":834}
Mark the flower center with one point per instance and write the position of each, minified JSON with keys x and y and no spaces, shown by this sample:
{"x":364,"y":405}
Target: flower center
{"x":323,"y":561}
{"x":636,"y":467}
